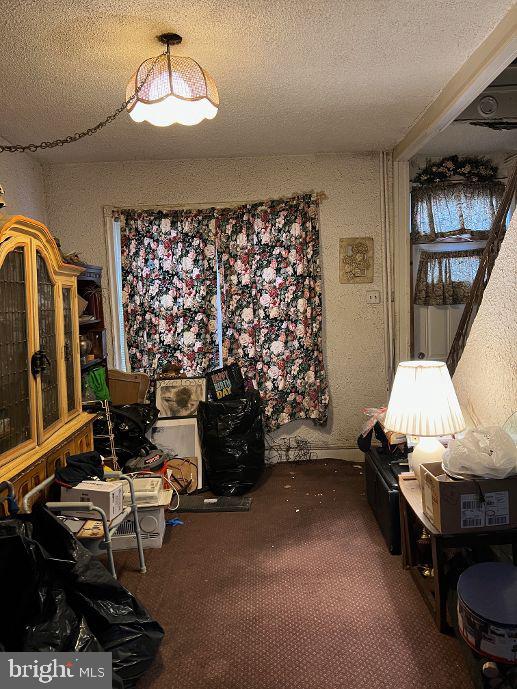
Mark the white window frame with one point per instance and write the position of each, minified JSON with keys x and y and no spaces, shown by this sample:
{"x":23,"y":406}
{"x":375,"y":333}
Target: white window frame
{"x":113,"y":248}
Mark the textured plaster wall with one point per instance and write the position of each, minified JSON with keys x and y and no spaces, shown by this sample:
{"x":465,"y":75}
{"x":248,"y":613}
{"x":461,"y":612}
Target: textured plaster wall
{"x":486,"y":377}
{"x":22,"y":178}
{"x":353,"y":331}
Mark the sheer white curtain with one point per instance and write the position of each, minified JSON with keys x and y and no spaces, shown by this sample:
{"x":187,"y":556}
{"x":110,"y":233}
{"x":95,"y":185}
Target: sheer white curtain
{"x":455,"y":208}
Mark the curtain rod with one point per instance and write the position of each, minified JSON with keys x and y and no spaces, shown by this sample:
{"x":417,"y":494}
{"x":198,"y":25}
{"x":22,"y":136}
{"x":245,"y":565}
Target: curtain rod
{"x":453,"y":181}
{"x":194,"y":205}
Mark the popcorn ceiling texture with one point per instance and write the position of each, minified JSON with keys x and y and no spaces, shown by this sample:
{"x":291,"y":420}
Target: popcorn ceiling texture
{"x":486,"y":377}
{"x":353,"y":331}
{"x":294,"y":76}
{"x":22,"y":179}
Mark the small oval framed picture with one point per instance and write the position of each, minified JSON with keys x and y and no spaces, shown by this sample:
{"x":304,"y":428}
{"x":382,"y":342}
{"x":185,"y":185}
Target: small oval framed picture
{"x":178,"y":398}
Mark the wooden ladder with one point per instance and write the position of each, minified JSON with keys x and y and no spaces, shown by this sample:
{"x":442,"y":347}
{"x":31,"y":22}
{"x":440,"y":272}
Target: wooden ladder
{"x":495,"y":239}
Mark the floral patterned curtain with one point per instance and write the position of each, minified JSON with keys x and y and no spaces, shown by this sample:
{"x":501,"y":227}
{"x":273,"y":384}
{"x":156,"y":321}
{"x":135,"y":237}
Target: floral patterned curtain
{"x":169,"y":285}
{"x":444,"y":210}
{"x":446,"y":277}
{"x":272,"y":307}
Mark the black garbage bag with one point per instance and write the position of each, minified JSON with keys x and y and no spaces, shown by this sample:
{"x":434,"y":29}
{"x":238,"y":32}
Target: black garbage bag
{"x":232,"y":443}
{"x":36,"y":614}
{"x":69,"y":601}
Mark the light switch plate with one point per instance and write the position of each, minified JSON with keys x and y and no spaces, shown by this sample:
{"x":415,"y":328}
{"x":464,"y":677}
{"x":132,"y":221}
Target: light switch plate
{"x":373,"y":296}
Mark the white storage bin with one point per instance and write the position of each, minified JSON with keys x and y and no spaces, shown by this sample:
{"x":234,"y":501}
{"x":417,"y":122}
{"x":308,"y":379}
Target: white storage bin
{"x":152,"y":529}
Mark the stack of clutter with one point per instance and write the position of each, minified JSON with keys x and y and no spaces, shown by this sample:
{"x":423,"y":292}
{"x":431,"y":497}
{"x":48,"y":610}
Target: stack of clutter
{"x":391,"y":442}
{"x":114,"y":498}
{"x":474,"y":487}
{"x":231,"y":433}
{"x":152,"y":500}
{"x":58,"y":598}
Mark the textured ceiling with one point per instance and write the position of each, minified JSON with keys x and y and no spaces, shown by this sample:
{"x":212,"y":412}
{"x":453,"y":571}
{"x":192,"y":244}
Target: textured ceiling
{"x":463,"y":138}
{"x":294,"y":76}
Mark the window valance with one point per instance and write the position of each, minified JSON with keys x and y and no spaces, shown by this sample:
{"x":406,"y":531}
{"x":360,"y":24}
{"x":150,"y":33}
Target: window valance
{"x":452,"y":208}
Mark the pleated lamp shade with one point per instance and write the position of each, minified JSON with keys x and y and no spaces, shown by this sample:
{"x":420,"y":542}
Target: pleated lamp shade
{"x":423,"y":401}
{"x":173,"y":89}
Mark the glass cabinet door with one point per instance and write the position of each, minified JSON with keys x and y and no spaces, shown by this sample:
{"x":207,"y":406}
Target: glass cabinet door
{"x":69,"y":350}
{"x":15,"y":403}
{"x":47,"y":344}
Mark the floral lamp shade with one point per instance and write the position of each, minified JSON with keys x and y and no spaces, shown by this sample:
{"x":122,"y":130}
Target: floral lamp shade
{"x":423,"y":401}
{"x":169,"y":89}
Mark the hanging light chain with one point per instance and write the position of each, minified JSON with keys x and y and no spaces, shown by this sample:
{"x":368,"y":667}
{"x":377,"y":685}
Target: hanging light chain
{"x":20,"y":148}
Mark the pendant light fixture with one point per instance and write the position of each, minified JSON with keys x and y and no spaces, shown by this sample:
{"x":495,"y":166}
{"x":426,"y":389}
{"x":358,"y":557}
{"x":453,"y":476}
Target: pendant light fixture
{"x":171,"y":88}
{"x":165,"y":89}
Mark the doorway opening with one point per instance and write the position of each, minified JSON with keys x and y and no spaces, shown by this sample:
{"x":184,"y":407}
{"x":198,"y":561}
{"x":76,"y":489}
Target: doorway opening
{"x":457,"y":181}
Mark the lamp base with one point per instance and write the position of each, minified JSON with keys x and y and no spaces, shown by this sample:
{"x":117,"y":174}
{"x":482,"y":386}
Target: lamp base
{"x":427,"y":450}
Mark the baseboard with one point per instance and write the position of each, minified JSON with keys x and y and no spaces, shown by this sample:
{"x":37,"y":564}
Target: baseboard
{"x":341,"y":452}
{"x":346,"y":454}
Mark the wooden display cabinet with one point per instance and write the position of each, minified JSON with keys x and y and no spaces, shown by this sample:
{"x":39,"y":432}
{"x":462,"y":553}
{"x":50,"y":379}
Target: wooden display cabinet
{"x":41,"y":418}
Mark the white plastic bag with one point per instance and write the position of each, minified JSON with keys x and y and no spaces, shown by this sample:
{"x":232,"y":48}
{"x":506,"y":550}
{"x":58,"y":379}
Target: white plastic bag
{"x":483,"y":452}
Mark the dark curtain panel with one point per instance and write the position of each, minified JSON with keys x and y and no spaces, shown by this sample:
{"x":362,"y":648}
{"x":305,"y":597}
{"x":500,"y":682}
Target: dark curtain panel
{"x":169,"y":285}
{"x":271,"y":300}
{"x":272,"y":305}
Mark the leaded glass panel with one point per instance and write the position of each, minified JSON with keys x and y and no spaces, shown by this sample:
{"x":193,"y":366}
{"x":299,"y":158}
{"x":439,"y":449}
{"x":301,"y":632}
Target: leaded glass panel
{"x":69,"y":350}
{"x":47,"y":339}
{"x":15,"y":427}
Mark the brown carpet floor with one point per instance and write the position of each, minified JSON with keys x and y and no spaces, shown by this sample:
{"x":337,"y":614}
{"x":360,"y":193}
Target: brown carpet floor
{"x":299,"y":593}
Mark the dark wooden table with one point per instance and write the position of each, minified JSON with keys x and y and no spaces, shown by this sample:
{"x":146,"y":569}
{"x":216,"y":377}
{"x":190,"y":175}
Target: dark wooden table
{"x":412,"y":519}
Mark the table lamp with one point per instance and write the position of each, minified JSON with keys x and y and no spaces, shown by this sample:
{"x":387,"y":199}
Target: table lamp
{"x":423,"y":403}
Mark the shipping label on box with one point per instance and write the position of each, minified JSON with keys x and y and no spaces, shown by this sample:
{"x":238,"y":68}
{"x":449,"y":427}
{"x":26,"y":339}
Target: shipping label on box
{"x":493,"y":510}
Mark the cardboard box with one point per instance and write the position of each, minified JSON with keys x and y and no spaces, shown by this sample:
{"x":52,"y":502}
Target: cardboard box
{"x":457,"y":506}
{"x":185,"y":471}
{"x":108,"y":495}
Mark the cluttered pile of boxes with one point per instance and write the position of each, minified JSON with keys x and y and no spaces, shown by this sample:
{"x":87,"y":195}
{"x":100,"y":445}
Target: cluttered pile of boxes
{"x":473,"y":483}
{"x":460,"y":483}
{"x":113,"y":497}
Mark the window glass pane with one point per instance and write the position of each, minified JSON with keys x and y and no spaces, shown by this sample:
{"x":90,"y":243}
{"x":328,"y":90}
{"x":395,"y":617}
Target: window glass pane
{"x":14,"y":367}
{"x":47,"y":338}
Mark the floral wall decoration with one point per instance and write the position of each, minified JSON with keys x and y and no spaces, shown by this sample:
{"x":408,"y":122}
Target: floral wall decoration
{"x":356,"y":260}
{"x":472,"y":169}
{"x":271,"y":302}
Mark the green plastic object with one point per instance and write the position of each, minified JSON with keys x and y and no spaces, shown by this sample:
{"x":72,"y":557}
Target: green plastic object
{"x":96,"y":381}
